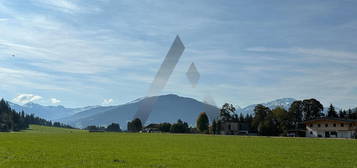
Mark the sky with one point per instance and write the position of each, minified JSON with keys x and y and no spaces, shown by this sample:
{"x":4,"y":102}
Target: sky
{"x":107,"y":52}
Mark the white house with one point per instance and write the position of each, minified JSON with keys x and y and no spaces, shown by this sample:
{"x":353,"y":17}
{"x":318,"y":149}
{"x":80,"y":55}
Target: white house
{"x":331,"y":127}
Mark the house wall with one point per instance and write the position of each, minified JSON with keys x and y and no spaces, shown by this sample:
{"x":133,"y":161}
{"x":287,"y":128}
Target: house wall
{"x":343,"y":129}
{"x":230,"y":128}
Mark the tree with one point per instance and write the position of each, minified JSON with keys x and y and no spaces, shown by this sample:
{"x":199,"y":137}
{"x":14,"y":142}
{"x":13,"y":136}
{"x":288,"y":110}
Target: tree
{"x":227,"y":112}
{"x":214,"y":127}
{"x":312,"y":109}
{"x":342,"y":114}
{"x":92,"y":127}
{"x":165,"y":127}
{"x":202,"y":122}
{"x":218,"y":126}
{"x":296,"y":113}
{"x":281,"y":120}
{"x":179,"y":127}
{"x":10,"y":120}
{"x":260,"y":116}
{"x":352,"y":114}
{"x":135,"y":125}
{"x":241,"y":118}
{"x":249,"y":119}
{"x":332,"y":112}
{"x":114,"y":127}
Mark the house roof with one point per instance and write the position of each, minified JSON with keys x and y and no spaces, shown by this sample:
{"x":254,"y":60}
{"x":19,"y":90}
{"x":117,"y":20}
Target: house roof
{"x":153,"y":126}
{"x":330,"y":119}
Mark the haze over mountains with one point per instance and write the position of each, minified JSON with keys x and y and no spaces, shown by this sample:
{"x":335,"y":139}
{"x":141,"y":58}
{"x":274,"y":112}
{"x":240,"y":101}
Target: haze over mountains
{"x":168,"y":108}
{"x":48,"y":112}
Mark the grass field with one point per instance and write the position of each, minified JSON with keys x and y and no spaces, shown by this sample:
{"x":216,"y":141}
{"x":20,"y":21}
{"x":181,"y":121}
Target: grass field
{"x":65,"y":148}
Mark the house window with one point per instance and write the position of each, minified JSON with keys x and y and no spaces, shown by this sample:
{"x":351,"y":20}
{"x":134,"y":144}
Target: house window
{"x":310,"y":132}
{"x":342,"y":125}
{"x":326,"y":125}
{"x":334,"y":124}
{"x":351,"y":125}
{"x":229,"y":126}
{"x":319,"y":125}
{"x":311,"y":125}
{"x":334,"y":133}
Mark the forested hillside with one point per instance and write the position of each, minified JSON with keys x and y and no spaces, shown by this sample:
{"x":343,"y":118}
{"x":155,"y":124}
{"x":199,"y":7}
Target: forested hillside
{"x":10,"y":120}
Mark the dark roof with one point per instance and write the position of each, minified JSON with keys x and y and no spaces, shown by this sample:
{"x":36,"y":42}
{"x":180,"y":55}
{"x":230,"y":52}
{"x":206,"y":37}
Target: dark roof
{"x":153,"y":126}
{"x":296,"y":130}
{"x":330,"y":119}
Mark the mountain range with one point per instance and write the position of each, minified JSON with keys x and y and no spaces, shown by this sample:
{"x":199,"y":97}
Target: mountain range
{"x":48,"y":112}
{"x":168,"y":108}
{"x":284,"y":102}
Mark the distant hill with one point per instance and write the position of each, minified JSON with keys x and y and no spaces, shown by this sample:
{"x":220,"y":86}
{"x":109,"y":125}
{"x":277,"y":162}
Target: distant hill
{"x":48,"y":112}
{"x":168,"y":108}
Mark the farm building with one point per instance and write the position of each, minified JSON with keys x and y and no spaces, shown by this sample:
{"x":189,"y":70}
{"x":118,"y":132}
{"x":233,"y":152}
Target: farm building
{"x":331,"y":127}
{"x":152,"y":128}
{"x":234,"y":128}
{"x":229,"y":128}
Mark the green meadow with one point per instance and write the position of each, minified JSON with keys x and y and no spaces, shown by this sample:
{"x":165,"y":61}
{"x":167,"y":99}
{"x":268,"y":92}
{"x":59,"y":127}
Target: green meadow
{"x":66,"y":148}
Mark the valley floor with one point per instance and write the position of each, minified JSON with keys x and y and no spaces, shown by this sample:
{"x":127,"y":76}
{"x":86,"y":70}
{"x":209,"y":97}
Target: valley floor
{"x":66,"y":148}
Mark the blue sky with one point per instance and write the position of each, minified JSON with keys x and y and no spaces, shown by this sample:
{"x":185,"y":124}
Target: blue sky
{"x":79,"y":52}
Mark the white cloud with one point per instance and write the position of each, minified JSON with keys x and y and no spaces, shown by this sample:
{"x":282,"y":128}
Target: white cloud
{"x":107,"y":102}
{"x":311,"y":53}
{"x":61,"y":5}
{"x":55,"y":101}
{"x":67,"y":6}
{"x":26,"y":98}
{"x":3,"y":19}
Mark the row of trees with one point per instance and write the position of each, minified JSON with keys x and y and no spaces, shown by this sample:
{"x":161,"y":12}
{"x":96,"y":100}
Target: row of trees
{"x":273,"y":122}
{"x":264,"y":121}
{"x":278,"y":121}
{"x":343,"y":114}
{"x":114,"y":127}
{"x":10,"y":120}
{"x":178,"y":127}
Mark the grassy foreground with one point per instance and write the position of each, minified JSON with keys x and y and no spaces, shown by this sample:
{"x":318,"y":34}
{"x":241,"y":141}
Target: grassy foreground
{"x":64,"y":148}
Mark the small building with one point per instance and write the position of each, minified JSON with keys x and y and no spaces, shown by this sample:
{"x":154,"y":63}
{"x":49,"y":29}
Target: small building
{"x":296,"y":133}
{"x":331,"y":127}
{"x":229,"y":128}
{"x":152,"y":128}
{"x":243,"y":129}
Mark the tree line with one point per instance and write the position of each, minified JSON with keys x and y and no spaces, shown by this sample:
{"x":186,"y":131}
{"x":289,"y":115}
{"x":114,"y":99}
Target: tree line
{"x":113,"y":127}
{"x":10,"y":120}
{"x":264,"y":121}
{"x":277,"y":121}
{"x":178,"y":127}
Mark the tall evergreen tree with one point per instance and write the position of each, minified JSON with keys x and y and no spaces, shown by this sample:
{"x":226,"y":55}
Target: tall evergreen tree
{"x":332,"y":112}
{"x":342,"y":114}
{"x":241,"y":118}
